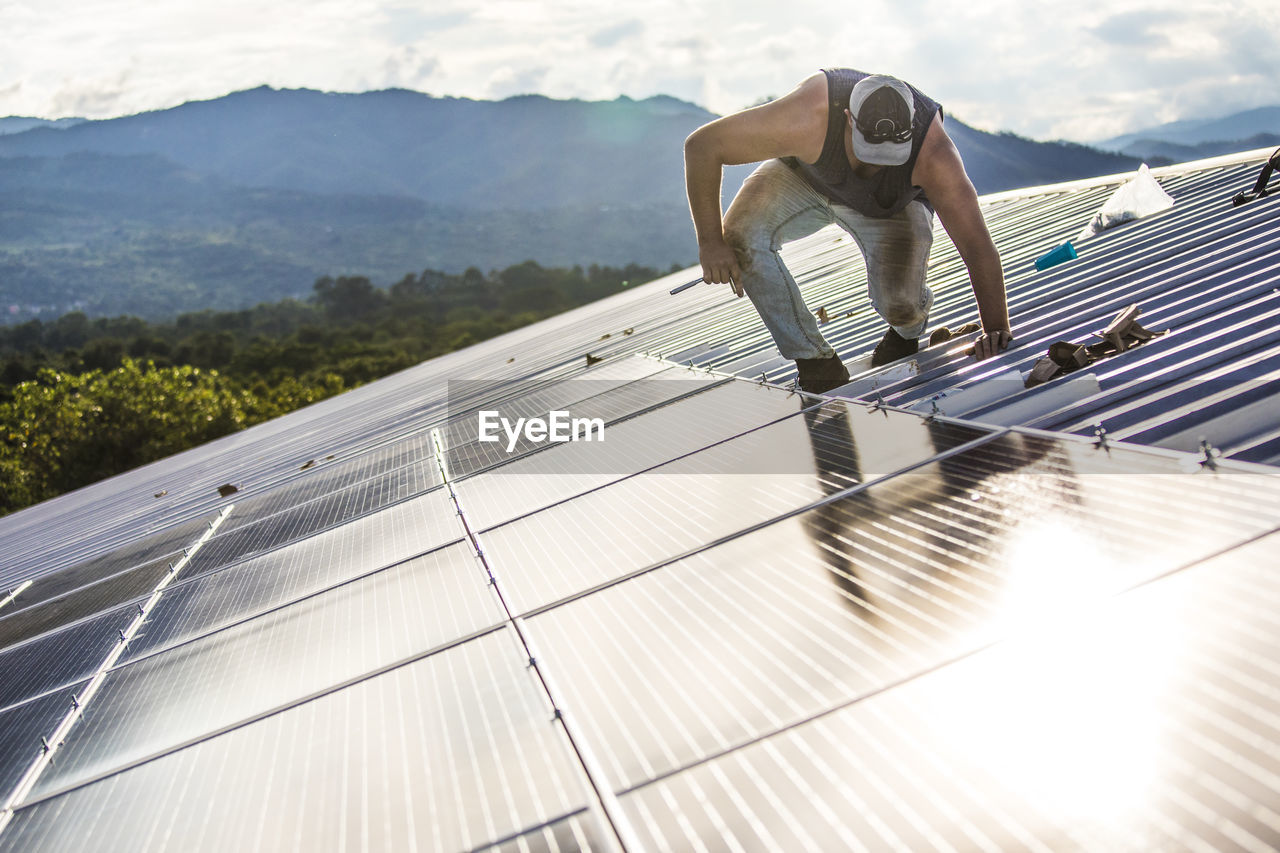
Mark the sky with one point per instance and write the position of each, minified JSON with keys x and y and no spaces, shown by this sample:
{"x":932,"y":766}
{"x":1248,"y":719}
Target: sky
{"x":1047,"y":70}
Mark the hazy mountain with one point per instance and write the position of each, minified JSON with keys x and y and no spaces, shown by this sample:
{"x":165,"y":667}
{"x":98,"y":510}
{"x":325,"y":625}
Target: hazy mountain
{"x":527,"y":152}
{"x":18,"y":124}
{"x":1193,"y":139}
{"x":226,"y":202}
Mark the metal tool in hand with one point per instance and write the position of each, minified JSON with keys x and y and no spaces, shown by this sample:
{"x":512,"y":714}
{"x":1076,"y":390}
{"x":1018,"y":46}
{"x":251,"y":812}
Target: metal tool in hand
{"x":686,"y":286}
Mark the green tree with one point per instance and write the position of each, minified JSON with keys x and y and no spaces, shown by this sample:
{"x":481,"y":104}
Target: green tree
{"x":62,"y":431}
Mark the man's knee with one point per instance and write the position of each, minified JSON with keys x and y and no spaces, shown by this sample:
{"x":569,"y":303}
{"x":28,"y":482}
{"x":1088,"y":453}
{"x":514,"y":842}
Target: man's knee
{"x":902,"y":312}
{"x":745,"y":238}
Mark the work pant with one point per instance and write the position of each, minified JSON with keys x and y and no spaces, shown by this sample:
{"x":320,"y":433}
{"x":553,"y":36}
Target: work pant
{"x":775,"y":206}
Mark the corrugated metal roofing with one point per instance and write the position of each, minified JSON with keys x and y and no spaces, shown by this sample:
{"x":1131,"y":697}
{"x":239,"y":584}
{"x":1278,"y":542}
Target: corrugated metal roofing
{"x":748,"y":619}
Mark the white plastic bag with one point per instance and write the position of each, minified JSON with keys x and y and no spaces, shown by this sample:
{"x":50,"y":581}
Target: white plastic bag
{"x":1140,"y":196}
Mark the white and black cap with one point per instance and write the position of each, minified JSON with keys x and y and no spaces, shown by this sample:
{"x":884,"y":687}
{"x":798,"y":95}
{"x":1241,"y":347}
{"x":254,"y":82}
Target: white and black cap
{"x":883,"y":110}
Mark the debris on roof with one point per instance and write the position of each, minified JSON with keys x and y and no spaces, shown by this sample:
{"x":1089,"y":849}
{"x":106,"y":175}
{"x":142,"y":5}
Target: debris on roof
{"x":1140,"y":196}
{"x":1124,"y":333}
{"x":1057,"y":255}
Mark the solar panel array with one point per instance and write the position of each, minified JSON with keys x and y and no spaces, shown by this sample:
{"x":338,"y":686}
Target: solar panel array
{"x":748,"y":619}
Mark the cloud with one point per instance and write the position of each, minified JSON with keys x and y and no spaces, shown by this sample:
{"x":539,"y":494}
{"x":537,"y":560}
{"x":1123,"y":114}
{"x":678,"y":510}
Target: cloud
{"x":1134,"y":29}
{"x":408,"y":69}
{"x":611,"y":36}
{"x":408,"y":24}
{"x":507,"y":82}
{"x":91,"y":98}
{"x":1021,"y":65}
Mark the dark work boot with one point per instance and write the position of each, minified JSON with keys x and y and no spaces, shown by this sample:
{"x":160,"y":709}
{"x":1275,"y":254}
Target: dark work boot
{"x":819,"y":375}
{"x":892,"y":347}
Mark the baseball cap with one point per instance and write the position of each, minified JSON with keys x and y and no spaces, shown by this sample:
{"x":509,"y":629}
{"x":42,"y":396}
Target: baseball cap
{"x":883,"y":109}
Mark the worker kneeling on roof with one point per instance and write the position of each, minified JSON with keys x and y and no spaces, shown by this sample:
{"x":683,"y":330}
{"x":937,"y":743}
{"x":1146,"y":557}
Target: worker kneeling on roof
{"x":868,"y":153}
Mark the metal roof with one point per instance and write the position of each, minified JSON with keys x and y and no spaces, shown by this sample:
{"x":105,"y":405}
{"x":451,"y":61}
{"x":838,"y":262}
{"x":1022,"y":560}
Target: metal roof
{"x":747,"y":619}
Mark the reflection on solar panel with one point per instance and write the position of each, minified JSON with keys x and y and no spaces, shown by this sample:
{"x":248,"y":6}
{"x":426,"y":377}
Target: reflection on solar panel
{"x":930,"y":609}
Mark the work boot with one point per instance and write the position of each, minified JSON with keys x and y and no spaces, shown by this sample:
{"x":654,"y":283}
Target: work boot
{"x":819,"y":375}
{"x":892,"y":347}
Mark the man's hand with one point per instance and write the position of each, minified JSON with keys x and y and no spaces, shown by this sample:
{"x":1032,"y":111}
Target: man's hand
{"x":990,"y":343}
{"x":720,"y":265}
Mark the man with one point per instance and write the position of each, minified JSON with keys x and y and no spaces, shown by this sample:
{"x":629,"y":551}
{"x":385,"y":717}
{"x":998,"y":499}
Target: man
{"x":868,"y":153}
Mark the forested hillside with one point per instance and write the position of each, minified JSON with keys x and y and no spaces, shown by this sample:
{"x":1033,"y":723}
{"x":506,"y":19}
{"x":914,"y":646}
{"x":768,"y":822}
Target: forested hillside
{"x":82,"y":399}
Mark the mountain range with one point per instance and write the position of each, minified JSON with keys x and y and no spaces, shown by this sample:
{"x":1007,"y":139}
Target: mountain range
{"x":1193,"y":139}
{"x":252,"y":196}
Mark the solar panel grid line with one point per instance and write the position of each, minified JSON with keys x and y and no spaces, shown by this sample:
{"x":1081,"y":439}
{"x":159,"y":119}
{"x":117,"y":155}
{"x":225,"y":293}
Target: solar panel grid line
{"x":360,"y":768}
{"x":25,"y":730}
{"x":932,"y":792}
{"x":81,"y":605}
{"x":1198,"y":561}
{"x":322,"y":515}
{"x":798,"y":832}
{"x":1213,"y":758}
{"x":31,"y":777}
{"x":230,"y":592}
{"x":46,"y":663}
{"x":104,"y":556}
{"x":614,"y":407}
{"x":13,"y":594}
{"x":611,"y":405}
{"x":669,"y":450}
{"x":680,"y":646}
{"x":547,"y":837}
{"x":1206,"y":811}
{"x":829,"y":499}
{"x":603,"y":803}
{"x":687,"y":514}
{"x":974,"y":801}
{"x":123,"y":612}
{"x":902,"y":805}
{"x":62,"y":788}
{"x":285,"y":604}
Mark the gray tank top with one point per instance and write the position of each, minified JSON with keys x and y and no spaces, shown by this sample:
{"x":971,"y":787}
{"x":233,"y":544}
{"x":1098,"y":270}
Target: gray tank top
{"x":890,"y":189}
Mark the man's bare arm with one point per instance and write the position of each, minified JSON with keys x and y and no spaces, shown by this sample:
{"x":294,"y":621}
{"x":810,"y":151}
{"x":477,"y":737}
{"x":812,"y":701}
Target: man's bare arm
{"x":781,"y":128}
{"x":941,"y":173}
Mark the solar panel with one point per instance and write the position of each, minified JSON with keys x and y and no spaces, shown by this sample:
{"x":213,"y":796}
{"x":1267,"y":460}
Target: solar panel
{"x":1130,"y":723}
{"x":22,"y":728}
{"x":279,"y":658}
{"x":474,"y":757}
{"x":702,"y":416}
{"x":52,"y":613}
{"x":59,"y":657}
{"x":865,"y":591}
{"x":217,"y":595}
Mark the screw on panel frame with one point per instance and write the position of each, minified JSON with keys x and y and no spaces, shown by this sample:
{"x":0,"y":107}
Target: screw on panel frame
{"x":1210,"y":454}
